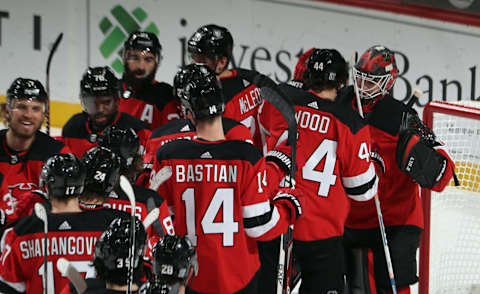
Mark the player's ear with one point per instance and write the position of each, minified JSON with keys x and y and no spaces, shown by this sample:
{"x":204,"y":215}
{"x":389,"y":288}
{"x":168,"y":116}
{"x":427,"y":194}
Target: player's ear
{"x":5,"y":112}
{"x":222,"y":63}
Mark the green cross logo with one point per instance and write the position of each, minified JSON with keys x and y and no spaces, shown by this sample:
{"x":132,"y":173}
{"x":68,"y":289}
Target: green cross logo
{"x":117,"y":32}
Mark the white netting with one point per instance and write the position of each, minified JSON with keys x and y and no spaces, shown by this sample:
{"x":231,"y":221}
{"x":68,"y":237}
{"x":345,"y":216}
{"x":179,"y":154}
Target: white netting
{"x":455,"y":213}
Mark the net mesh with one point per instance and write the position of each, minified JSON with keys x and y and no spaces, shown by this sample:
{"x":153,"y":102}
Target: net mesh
{"x":455,"y":213}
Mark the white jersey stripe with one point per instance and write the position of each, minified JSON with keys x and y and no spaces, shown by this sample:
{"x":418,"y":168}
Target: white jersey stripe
{"x":254,"y":210}
{"x":258,"y":231}
{"x":369,"y":194}
{"x":362,"y":179}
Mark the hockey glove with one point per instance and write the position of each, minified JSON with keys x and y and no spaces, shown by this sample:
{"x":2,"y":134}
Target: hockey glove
{"x":26,"y":202}
{"x":289,"y":198}
{"x":378,"y":162}
{"x":416,"y":157}
{"x":282,"y":159}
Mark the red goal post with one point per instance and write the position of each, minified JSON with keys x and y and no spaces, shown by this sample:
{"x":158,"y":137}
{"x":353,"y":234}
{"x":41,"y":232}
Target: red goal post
{"x":450,"y":247}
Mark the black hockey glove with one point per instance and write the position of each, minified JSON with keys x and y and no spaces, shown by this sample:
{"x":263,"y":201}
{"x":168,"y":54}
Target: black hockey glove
{"x":288,"y":196}
{"x":282,"y":159}
{"x":416,"y":157}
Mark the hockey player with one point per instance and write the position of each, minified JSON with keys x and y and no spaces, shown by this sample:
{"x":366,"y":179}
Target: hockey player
{"x":99,"y":99}
{"x":184,"y":128}
{"x":211,"y":174}
{"x":213,"y":45}
{"x":141,"y":95}
{"x":125,"y":144}
{"x":24,"y":147}
{"x":71,"y":233}
{"x":174,"y":266}
{"x":335,"y":143}
{"x":408,"y":160}
{"x":111,"y":259}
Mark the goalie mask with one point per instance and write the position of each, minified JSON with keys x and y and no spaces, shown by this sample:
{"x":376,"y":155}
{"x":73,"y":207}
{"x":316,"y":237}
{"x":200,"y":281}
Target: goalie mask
{"x":202,"y":94}
{"x":103,"y":170}
{"x":63,"y":175}
{"x":374,"y":74}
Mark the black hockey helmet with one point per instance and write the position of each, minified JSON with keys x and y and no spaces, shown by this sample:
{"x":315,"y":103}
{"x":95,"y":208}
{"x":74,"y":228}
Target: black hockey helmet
{"x":144,"y":41}
{"x":103,"y":170}
{"x":211,"y":40}
{"x":23,"y":88}
{"x":202,"y":94}
{"x":174,"y":259}
{"x":375,"y":73}
{"x":123,"y":142}
{"x":176,"y":254}
{"x":326,"y":68}
{"x":63,"y":175}
{"x":97,"y":82}
{"x":114,"y":244}
{"x":184,"y":74}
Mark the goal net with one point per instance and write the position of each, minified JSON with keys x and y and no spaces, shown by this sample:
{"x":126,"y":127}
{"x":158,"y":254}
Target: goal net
{"x":450,"y":250}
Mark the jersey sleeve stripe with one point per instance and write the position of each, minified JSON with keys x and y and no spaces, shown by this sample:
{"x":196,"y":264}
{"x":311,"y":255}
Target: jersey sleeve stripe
{"x":255,"y":210}
{"x":260,"y":229}
{"x":359,"y":180}
{"x":19,"y":287}
{"x":364,"y":192}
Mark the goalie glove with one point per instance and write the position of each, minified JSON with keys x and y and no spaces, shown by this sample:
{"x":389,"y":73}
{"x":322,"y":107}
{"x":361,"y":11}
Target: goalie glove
{"x":417,"y":158}
{"x":289,"y":198}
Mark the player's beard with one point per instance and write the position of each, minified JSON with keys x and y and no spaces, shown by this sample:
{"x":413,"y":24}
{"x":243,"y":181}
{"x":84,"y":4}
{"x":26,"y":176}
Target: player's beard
{"x":24,"y":134}
{"x":138,"y":84}
{"x":100,"y":126}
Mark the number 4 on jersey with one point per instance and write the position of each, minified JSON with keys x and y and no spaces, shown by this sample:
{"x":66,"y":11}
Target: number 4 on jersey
{"x":222,"y":197}
{"x":326,"y":178}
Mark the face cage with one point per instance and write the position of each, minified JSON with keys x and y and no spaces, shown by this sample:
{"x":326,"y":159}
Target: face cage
{"x":381,"y":84}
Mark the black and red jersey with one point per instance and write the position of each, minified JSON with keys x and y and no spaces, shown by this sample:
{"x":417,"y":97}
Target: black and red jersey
{"x":146,"y":200}
{"x":218,"y":197}
{"x":155,"y":104}
{"x":70,"y":235}
{"x":184,"y":129}
{"x":79,"y":136}
{"x":334,"y":144}
{"x":20,"y":171}
{"x":398,"y":193}
{"x":242,"y":100}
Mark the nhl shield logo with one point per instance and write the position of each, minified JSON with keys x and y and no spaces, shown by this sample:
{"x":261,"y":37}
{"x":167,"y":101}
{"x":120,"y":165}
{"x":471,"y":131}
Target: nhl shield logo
{"x":13,"y":159}
{"x":93,"y":138}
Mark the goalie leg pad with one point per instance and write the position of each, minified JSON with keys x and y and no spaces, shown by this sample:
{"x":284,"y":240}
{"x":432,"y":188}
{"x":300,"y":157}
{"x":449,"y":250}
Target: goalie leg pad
{"x":414,"y":157}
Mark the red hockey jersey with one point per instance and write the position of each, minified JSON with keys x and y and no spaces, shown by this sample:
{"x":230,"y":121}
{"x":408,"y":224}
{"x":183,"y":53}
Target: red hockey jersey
{"x":21,"y":171}
{"x":184,"y":129}
{"x":218,"y":195}
{"x":242,"y":100}
{"x":70,"y":235}
{"x":398,"y":193}
{"x":335,"y":144}
{"x":78,"y":135}
{"x":154,"y":105}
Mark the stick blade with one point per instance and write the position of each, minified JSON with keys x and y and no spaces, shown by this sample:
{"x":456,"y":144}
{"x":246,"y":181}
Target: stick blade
{"x":151,"y":217}
{"x":40,"y":211}
{"x":66,"y":269}
{"x":160,"y":177}
{"x":128,"y":189}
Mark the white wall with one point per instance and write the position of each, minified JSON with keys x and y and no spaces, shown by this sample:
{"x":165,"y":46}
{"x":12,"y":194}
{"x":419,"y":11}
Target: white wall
{"x":268,"y":35}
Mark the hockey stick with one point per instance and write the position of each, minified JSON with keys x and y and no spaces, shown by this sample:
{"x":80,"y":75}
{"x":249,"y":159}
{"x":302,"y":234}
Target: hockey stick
{"x":66,"y":269}
{"x":160,"y":177}
{"x":41,"y":213}
{"x":287,"y":110}
{"x":49,"y":63}
{"x":127,"y":188}
{"x":381,"y":224}
{"x":151,"y":217}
